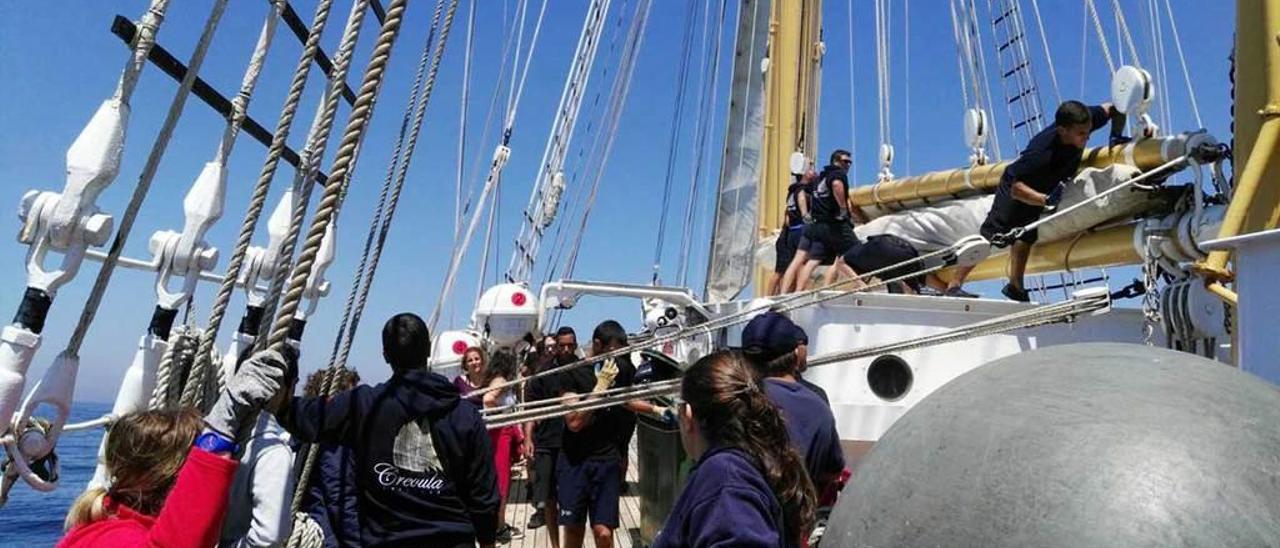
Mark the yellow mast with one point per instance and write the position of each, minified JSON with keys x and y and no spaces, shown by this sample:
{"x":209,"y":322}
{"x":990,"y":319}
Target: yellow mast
{"x":1255,"y":205}
{"x":791,"y":107}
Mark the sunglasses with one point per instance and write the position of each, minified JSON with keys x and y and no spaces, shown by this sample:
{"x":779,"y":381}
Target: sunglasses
{"x":844,"y":161}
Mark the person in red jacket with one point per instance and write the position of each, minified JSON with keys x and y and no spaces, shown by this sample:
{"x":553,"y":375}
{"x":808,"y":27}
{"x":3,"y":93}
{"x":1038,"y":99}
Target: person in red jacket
{"x":166,"y":490}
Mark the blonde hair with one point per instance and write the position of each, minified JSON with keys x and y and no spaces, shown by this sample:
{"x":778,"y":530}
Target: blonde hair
{"x":143,"y":455}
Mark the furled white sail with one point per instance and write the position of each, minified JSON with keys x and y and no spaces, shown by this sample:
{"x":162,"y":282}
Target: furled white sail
{"x":731,"y":261}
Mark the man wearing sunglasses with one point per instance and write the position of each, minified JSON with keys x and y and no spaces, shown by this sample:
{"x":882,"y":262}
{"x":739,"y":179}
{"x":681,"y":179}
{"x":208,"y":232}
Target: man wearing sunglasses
{"x":830,"y":232}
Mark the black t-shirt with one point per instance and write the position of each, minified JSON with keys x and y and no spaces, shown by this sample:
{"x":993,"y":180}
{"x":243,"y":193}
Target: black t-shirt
{"x":823,"y":206}
{"x":599,"y":438}
{"x":1046,"y":161}
{"x":794,"y":216}
{"x":547,"y":433}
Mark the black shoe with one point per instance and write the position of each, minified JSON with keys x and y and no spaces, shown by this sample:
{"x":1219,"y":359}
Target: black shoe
{"x":512,"y":532}
{"x":960,"y":292}
{"x":1015,"y":294}
{"x":538,"y":519}
{"x":503,"y":536}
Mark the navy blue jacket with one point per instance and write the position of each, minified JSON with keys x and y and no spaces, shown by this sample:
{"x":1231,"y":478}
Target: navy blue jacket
{"x":811,"y":428}
{"x":332,"y":497}
{"x":453,"y":501}
{"x":727,"y":502}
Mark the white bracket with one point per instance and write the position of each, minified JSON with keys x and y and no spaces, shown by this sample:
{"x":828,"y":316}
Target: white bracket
{"x":975,"y":135}
{"x":317,"y":286}
{"x":886,"y":162}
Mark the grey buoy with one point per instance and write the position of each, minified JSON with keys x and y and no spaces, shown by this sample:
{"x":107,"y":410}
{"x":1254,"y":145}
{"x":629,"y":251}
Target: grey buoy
{"x":1078,"y":445}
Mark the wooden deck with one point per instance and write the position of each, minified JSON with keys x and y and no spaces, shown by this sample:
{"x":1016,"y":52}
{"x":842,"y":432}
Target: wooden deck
{"x":519,"y":509}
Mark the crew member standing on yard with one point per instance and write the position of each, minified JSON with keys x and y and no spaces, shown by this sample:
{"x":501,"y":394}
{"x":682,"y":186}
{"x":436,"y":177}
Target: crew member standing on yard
{"x":1034,"y":182}
{"x":831,"y":232}
{"x":787,"y":247}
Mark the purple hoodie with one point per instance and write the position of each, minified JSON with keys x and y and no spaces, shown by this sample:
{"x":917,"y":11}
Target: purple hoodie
{"x":727,"y":502}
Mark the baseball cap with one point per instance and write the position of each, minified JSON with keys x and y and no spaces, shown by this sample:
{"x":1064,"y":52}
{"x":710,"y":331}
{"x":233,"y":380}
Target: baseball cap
{"x":770,"y":335}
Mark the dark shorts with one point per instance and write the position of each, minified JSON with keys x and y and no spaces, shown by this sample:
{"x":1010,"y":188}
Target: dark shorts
{"x":1008,"y":215}
{"x":544,"y":476}
{"x":829,"y":240}
{"x":787,"y":245}
{"x":883,"y":251}
{"x":590,"y":487}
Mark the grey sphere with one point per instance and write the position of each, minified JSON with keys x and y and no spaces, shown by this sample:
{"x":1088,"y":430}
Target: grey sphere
{"x":1077,"y":445}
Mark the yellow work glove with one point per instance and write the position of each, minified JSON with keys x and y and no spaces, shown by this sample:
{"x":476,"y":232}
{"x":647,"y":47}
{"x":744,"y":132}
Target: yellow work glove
{"x":606,"y":374}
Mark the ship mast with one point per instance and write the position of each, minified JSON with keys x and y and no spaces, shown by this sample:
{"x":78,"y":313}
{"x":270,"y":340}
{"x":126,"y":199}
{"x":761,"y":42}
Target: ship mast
{"x":793,"y":84}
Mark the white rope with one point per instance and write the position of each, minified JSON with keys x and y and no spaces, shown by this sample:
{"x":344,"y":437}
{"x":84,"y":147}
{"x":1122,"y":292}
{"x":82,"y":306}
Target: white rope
{"x":491,"y":181}
{"x":148,"y":26}
{"x":617,"y":99}
{"x":906,"y":77}
{"x":1186,"y":75}
{"x":961,"y":57}
{"x":1123,"y":26}
{"x":853,"y":97}
{"x":1048,"y":57}
{"x":986,"y":79}
{"x":882,"y":67}
{"x":711,"y":58}
{"x":464,"y":102}
{"x":1102,"y":36}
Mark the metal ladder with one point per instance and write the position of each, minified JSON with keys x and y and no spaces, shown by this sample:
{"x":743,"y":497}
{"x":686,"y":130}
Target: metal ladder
{"x":1022,"y":95}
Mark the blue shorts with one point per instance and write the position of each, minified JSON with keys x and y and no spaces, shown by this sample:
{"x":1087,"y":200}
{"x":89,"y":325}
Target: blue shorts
{"x":591,"y":486}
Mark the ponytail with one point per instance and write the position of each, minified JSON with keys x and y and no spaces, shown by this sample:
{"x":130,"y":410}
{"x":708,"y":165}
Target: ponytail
{"x":732,"y":411}
{"x":89,"y":507}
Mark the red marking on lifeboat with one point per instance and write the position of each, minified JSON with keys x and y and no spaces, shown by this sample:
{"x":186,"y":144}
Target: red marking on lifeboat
{"x":459,"y":347}
{"x":518,"y":299}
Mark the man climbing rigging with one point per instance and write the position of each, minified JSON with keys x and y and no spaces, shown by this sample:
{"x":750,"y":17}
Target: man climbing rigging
{"x":1033,"y":184}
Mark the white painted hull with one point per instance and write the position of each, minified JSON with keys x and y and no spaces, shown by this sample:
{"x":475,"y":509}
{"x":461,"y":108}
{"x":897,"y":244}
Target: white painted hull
{"x":875,"y":319}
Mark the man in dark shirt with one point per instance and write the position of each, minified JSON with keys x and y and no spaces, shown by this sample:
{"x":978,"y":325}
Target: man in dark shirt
{"x":424,"y":467}
{"x":831,"y":231}
{"x":1035,"y":181}
{"x":544,"y":437}
{"x":589,"y":469}
{"x":770,"y":343}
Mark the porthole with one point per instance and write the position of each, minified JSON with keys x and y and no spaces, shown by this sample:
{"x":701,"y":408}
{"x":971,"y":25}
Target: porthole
{"x":889,"y":377}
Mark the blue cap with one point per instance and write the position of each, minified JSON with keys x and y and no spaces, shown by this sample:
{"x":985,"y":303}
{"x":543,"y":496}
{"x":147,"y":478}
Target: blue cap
{"x":771,"y":335}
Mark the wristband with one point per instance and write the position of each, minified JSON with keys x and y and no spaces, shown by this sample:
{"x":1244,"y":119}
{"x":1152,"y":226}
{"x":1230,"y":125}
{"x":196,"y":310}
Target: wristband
{"x":214,"y":442}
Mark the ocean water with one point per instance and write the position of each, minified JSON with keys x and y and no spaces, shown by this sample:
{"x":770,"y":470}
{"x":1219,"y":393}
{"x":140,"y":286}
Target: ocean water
{"x":31,"y":518}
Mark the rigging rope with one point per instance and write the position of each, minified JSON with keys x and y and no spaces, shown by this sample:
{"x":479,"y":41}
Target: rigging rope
{"x":312,"y":155}
{"x":492,"y":179}
{"x":882,"y":14}
{"x":239,"y":110}
{"x":853,"y":95}
{"x":418,"y":100}
{"x":1122,"y":26}
{"x":143,"y":186}
{"x":1186,"y":75}
{"x":906,"y":77}
{"x":1102,"y":36}
{"x":330,"y":201}
{"x":982,"y":60}
{"x":702,"y":134}
{"x":618,"y":97}
{"x":464,"y":101}
{"x":258,"y":198}
{"x":1048,"y":57}
{"x":677,"y":122}
{"x":148,"y":26}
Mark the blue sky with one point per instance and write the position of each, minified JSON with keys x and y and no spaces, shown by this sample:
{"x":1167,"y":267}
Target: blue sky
{"x":58,"y":65}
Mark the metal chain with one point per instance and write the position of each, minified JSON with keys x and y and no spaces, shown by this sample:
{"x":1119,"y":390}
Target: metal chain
{"x":1151,"y":297}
